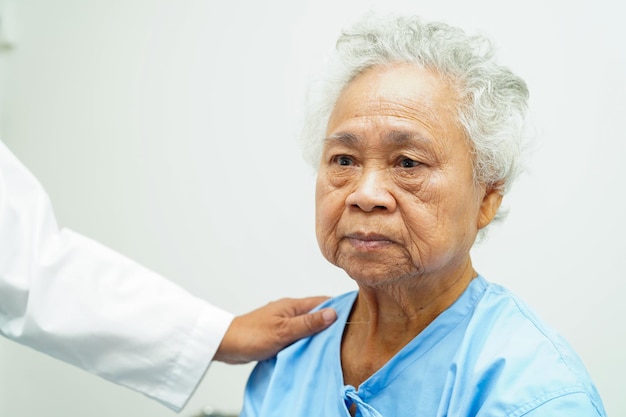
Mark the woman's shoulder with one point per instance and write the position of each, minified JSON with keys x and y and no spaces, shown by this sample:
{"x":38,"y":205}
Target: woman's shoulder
{"x":529,"y":357}
{"x":510,"y":316}
{"x":510,"y":324}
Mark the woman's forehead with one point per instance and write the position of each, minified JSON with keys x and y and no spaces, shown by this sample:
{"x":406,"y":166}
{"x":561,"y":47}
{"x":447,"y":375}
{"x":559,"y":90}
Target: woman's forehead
{"x":400,"y":102}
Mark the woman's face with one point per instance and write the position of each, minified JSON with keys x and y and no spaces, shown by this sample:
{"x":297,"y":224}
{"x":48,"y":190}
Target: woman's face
{"x":395,"y":193}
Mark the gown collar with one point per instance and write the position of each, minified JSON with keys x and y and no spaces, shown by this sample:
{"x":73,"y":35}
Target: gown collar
{"x":413,"y":351}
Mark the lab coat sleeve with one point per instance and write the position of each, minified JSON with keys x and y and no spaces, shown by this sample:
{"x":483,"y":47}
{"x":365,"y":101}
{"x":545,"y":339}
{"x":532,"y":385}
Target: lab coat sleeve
{"x":74,"y":299}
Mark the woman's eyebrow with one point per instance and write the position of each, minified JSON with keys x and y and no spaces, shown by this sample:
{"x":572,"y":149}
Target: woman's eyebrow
{"x":403,"y":137}
{"x":346,"y":138}
{"x":394,"y":137}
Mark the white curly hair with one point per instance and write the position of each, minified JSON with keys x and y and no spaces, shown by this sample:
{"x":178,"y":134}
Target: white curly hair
{"x":492,"y":101}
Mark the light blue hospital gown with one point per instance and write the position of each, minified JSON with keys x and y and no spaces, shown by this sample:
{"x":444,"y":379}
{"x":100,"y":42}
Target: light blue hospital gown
{"x":486,"y":355}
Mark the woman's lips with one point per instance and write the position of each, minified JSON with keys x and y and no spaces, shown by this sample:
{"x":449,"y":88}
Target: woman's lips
{"x":368,"y":241}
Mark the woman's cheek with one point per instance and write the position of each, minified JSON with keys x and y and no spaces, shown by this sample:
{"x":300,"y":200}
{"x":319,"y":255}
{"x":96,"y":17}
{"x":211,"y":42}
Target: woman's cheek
{"x":328,"y":213}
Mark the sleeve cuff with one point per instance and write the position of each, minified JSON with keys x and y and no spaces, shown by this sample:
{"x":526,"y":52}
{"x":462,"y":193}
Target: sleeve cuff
{"x":193,"y":362}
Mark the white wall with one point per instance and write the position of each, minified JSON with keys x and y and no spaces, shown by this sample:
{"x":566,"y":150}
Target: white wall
{"x":165,"y":130}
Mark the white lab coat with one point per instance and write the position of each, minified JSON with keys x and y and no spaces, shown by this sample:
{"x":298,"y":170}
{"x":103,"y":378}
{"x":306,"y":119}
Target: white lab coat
{"x":72,"y":298}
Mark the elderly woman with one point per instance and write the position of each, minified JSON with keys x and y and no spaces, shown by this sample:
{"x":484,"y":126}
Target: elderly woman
{"x":418,"y":142}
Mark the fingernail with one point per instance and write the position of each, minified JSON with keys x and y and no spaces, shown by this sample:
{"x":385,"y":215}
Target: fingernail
{"x":329,"y":315}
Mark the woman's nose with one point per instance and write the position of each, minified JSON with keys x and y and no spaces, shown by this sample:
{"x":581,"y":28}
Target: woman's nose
{"x":372,"y":192}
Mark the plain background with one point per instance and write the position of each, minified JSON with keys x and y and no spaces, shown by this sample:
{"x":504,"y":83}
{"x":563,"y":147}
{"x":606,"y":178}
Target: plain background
{"x":166,"y":130}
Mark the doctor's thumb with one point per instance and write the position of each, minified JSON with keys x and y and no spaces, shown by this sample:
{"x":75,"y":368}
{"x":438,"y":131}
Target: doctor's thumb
{"x":310,"y":323}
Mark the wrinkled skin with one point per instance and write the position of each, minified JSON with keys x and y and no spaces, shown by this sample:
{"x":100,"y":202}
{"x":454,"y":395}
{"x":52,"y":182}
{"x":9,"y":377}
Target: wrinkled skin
{"x":398,"y":208}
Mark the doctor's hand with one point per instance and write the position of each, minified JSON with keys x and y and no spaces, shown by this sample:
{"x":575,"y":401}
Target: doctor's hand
{"x":263,"y":332}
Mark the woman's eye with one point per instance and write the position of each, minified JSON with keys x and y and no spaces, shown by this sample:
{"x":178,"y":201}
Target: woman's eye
{"x":343,"y":160}
{"x":408,"y":163}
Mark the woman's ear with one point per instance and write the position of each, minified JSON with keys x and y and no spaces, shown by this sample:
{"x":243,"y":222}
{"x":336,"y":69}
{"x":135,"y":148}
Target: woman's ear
{"x":489,"y":206}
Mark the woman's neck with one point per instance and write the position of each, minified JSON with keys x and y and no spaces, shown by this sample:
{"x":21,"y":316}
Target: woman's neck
{"x":385,"y":319}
